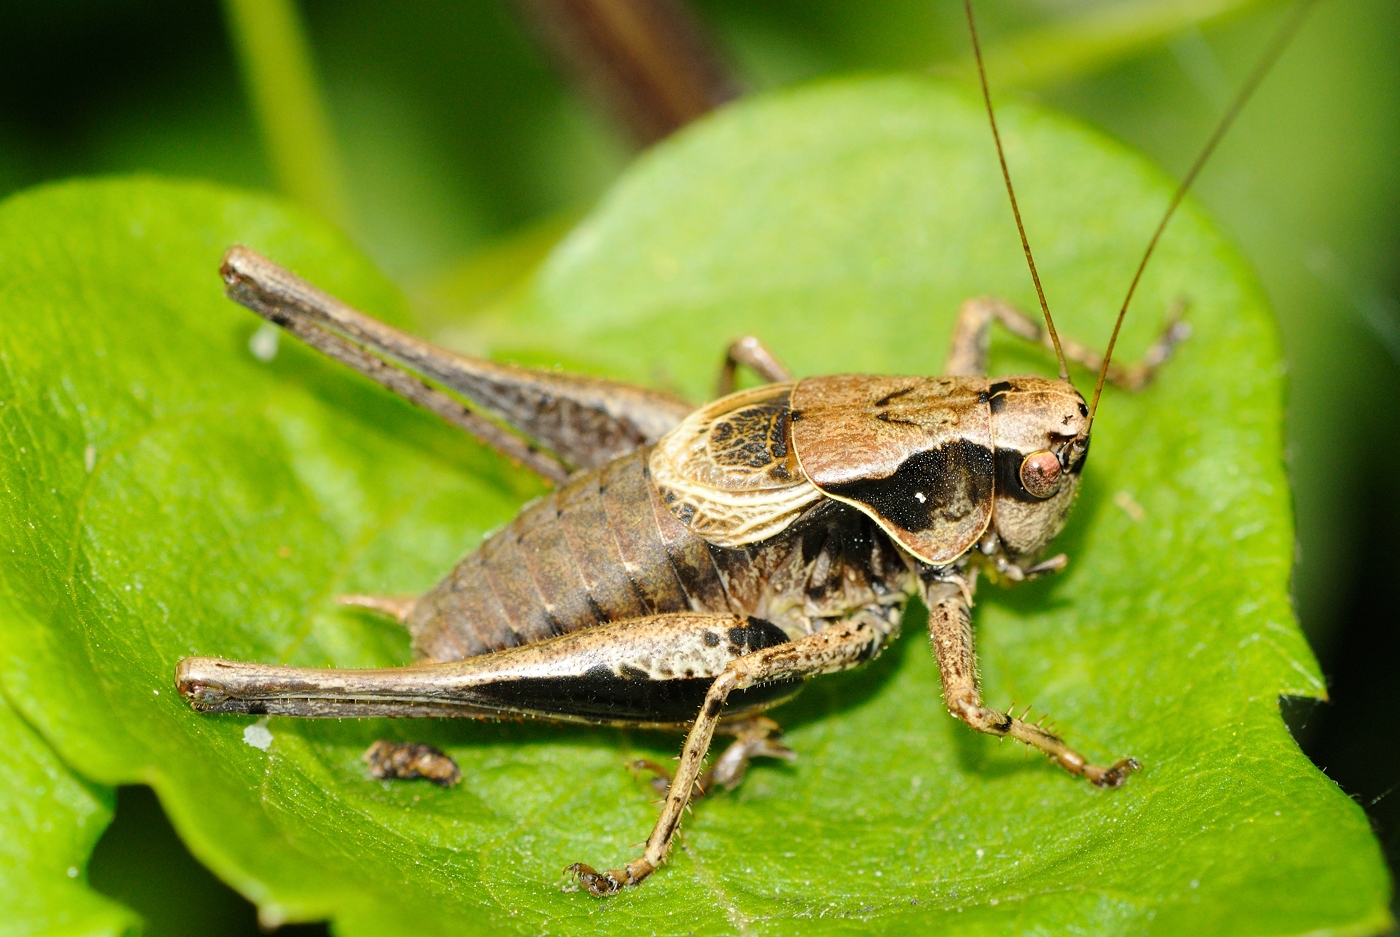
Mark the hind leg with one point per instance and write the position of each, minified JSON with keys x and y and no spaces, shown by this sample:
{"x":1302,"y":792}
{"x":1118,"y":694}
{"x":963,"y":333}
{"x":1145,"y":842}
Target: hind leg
{"x":396,"y":607}
{"x":584,"y":421}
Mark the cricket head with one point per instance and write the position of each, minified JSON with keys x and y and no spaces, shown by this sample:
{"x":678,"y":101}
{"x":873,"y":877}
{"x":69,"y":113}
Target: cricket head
{"x":1049,"y":466}
{"x":938,"y":462}
{"x":1038,"y":425}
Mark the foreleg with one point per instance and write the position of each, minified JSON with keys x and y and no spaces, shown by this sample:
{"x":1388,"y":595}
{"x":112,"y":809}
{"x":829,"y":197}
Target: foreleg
{"x":752,"y":353}
{"x":972,"y":340}
{"x":836,"y":648}
{"x":950,"y":628}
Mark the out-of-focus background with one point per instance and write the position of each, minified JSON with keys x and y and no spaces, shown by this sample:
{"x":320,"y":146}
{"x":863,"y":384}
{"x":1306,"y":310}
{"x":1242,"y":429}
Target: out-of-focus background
{"x":455,"y":140}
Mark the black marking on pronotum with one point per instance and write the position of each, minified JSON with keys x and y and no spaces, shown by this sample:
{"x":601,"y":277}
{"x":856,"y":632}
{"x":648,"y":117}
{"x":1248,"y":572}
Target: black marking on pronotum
{"x":892,"y":395}
{"x":1009,"y":484}
{"x":885,"y":417}
{"x":948,"y":483}
{"x":996,"y":395}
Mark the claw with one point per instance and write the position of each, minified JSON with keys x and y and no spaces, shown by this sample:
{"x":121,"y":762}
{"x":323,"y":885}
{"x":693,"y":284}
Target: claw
{"x":1116,"y":775}
{"x":606,"y":884}
{"x":661,"y":783}
{"x":599,"y":884}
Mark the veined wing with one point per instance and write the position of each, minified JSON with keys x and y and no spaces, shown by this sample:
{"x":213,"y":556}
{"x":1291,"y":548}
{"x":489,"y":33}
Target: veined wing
{"x":728,"y":471}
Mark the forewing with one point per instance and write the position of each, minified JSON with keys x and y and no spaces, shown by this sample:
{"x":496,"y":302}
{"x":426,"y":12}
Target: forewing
{"x":913,"y":453}
{"x":728,"y":471}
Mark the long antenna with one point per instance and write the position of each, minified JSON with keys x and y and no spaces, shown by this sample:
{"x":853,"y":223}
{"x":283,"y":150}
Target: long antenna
{"x":1011,"y":191}
{"x":1266,"y":62}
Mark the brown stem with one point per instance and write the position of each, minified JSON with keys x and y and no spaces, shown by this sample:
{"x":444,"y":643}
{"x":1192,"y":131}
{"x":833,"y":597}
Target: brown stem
{"x":648,"y":62}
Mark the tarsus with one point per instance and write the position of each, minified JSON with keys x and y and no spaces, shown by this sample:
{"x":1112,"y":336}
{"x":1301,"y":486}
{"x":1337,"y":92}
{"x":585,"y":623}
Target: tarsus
{"x":1266,"y":62}
{"x":1011,"y":191}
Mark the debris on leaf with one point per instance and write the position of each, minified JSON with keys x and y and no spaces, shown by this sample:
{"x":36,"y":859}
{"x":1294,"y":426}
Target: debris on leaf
{"x":408,"y":760}
{"x":258,"y":735}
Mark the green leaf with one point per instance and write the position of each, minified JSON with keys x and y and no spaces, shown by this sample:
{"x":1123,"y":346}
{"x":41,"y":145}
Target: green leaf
{"x":1096,"y":38}
{"x":49,"y":821}
{"x":281,"y":84}
{"x":231,"y":499}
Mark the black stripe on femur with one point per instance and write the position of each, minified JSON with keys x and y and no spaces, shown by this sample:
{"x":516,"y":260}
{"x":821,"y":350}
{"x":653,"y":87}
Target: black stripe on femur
{"x":602,"y":695}
{"x":937,"y":485}
{"x":754,"y":634}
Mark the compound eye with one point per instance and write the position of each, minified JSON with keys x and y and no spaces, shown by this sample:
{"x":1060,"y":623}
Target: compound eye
{"x":1040,"y":473}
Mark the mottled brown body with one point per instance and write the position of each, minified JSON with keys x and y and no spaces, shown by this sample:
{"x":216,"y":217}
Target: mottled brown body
{"x":693,"y":561}
{"x":606,"y":548}
{"x":693,"y":570}
{"x":611,"y":545}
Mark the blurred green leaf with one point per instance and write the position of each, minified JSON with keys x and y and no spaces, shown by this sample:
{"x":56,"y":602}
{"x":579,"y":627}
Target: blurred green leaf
{"x":1103,"y":35}
{"x":229,"y":500}
{"x":485,"y":279}
{"x":280,"y":81}
{"x":49,"y":821}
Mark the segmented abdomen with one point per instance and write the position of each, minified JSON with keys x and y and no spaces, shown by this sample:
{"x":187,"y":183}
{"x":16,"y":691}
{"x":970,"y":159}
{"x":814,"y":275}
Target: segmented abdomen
{"x":605,"y":548}
{"x":588,"y":553}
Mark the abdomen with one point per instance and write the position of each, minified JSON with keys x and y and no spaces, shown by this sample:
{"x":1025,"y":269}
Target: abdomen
{"x":605,"y":548}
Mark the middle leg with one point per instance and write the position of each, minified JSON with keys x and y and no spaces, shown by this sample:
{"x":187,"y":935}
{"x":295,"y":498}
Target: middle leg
{"x":836,"y":648}
{"x":752,"y":353}
{"x":754,"y":737}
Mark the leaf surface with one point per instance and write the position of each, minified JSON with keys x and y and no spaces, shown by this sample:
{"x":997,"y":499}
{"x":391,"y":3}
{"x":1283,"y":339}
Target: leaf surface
{"x":229,"y":499}
{"x":49,"y":821}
